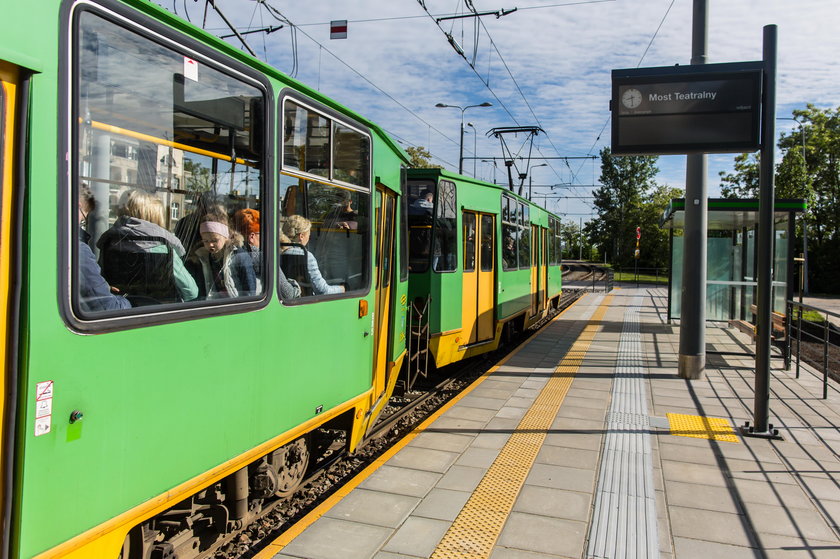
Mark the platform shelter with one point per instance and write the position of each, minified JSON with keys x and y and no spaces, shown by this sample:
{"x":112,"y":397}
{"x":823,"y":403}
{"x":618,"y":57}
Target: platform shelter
{"x":732,"y":257}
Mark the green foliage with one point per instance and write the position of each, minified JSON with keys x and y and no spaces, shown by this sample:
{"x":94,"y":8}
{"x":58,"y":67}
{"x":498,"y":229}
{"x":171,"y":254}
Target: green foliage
{"x":198,"y":177}
{"x":630,"y":198}
{"x":421,"y":158}
{"x":809,"y":169}
{"x":743,"y":181}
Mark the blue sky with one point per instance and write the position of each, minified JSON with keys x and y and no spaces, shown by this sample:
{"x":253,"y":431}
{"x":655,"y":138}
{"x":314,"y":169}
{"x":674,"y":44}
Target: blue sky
{"x":547,"y":64}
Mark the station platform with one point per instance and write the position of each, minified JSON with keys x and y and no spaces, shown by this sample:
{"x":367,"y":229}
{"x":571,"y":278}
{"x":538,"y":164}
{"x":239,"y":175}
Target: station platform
{"x":585,"y":443}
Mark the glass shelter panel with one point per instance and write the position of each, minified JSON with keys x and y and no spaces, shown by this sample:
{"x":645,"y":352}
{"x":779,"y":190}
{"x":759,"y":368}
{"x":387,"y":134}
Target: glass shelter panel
{"x":730,"y":272}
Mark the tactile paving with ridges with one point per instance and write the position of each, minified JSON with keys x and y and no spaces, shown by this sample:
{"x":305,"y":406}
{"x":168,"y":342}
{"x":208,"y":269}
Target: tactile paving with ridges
{"x":700,"y":427}
{"x":478,"y":525}
{"x":624,"y":523}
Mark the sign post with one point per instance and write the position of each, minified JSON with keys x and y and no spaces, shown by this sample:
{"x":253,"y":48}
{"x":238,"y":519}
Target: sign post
{"x":695,"y":110}
{"x":765,"y":234}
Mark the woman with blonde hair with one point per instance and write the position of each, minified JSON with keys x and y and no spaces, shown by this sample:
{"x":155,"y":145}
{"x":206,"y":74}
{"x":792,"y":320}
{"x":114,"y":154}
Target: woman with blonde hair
{"x":297,"y":229}
{"x":140,"y":228}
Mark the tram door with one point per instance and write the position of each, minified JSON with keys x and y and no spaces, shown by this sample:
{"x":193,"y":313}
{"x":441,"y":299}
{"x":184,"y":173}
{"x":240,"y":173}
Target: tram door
{"x":8,"y":92}
{"x":386,"y":204}
{"x":543,"y":268}
{"x":536,"y":276}
{"x":477,"y":320}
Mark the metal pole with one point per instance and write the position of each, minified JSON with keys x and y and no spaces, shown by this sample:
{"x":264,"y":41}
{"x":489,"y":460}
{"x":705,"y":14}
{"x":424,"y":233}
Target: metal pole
{"x":692,"y":359}
{"x":475,"y":148}
{"x":580,"y":248}
{"x":764,"y":296}
{"x":461,"y":149}
{"x":801,"y":261}
{"x":825,"y":358}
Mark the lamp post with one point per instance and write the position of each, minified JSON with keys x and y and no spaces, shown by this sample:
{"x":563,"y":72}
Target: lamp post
{"x":531,"y":178}
{"x":475,"y":145}
{"x":462,"y":109}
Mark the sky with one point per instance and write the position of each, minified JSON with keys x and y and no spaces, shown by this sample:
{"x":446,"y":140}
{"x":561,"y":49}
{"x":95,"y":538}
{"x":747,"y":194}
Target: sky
{"x":548,"y":64}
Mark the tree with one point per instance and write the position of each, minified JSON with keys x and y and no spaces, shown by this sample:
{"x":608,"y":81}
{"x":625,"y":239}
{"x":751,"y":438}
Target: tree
{"x":811,"y":165}
{"x":655,"y":244}
{"x":198,"y":177}
{"x":809,"y":169}
{"x":626,"y":181}
{"x":420,"y":158}
{"x":743,"y":181}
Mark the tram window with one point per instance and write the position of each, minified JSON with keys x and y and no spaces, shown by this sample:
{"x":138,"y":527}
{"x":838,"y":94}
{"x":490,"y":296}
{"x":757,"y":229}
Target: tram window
{"x":306,"y":139}
{"x":403,"y":232}
{"x":487,"y":235}
{"x":351,"y":156}
{"x":469,"y":242}
{"x":510,"y":234}
{"x":524,"y":236}
{"x":169,"y":149}
{"x":337,"y":245}
{"x":554,"y":241}
{"x":445,"y":236}
{"x":421,"y":195}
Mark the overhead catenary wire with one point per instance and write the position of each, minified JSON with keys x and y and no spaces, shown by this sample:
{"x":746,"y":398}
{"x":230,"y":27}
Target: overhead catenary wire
{"x":275,"y":11}
{"x":486,"y":81}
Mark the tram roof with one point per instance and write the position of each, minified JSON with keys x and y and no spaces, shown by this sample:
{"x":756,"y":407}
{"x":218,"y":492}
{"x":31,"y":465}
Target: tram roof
{"x":728,"y":213}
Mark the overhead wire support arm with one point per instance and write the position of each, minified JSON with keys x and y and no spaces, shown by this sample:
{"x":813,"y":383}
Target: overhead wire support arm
{"x":212,"y":3}
{"x":497,"y":13}
{"x":266,"y":30}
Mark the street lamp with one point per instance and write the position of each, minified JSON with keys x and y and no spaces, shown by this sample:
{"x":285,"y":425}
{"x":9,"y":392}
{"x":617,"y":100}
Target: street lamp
{"x":531,"y":178}
{"x":462,"y":109}
{"x":475,"y":145}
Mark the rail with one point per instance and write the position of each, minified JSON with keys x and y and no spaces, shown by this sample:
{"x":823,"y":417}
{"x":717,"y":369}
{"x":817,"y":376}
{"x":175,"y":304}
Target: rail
{"x":817,"y":333}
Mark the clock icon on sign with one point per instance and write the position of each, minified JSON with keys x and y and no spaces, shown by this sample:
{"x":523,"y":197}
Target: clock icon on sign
{"x":631,"y":98}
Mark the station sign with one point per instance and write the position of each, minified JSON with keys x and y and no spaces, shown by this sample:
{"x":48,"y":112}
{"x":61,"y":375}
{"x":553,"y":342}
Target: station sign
{"x":705,"y":108}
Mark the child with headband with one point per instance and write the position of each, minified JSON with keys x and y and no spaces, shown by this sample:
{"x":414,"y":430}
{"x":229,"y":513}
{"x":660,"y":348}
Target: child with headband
{"x":221,"y":267}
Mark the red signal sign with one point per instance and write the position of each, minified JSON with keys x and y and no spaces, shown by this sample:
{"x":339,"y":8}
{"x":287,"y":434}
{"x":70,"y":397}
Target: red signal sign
{"x":638,"y":232}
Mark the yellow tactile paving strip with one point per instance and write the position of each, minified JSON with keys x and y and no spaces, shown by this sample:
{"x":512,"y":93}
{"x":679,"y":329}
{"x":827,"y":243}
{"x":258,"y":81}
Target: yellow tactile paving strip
{"x":477,"y":527}
{"x":700,"y":427}
{"x":278,"y":544}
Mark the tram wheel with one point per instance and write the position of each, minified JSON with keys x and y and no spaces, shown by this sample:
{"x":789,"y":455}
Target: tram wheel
{"x":290,"y":463}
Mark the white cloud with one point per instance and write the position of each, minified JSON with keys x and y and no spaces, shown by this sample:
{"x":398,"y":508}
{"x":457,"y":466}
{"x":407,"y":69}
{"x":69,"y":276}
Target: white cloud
{"x":560,"y":56}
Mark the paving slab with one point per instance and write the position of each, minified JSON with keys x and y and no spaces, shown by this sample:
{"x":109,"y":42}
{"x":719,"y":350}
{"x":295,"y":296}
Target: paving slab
{"x":755,"y":498}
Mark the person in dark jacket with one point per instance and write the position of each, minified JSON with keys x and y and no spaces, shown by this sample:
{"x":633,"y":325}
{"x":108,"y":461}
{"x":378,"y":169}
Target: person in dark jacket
{"x":141,"y":217}
{"x":94,"y":292}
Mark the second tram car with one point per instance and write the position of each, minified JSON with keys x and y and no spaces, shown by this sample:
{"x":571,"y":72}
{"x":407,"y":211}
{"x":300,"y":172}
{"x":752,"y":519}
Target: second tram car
{"x":484,"y":262}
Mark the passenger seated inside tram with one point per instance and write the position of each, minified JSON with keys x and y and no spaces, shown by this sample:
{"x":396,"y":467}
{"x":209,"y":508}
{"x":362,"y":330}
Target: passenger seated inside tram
{"x":94,"y":292}
{"x":247,"y":223}
{"x":424,"y":204}
{"x":221,"y":267}
{"x":297,"y":229}
{"x":139,"y":230}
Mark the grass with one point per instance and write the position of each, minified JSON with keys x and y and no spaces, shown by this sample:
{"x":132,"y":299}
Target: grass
{"x":643,"y":278}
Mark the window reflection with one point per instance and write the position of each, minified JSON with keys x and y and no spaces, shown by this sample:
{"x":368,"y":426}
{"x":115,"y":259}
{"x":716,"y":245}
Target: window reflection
{"x":164,"y":144}
{"x":333,"y":257}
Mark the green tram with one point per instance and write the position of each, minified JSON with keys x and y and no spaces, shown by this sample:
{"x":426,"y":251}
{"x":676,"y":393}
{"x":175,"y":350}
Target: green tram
{"x":484,"y":264}
{"x":202,"y":264}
